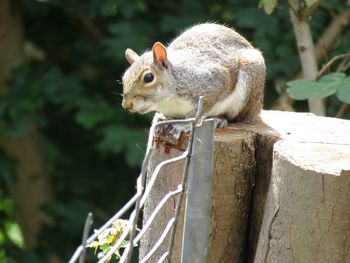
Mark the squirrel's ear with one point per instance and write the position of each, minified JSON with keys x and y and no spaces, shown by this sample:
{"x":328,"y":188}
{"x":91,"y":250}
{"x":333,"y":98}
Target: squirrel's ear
{"x":159,"y":54}
{"x":131,"y":56}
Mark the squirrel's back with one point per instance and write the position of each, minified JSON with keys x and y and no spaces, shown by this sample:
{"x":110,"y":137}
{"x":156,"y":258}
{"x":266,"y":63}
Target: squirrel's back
{"x":203,"y":36}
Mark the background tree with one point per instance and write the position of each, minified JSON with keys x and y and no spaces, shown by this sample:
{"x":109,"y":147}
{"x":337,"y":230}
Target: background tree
{"x":67,"y":63}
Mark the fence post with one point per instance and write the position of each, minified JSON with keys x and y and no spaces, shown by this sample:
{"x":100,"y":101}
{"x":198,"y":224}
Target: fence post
{"x":198,"y":202}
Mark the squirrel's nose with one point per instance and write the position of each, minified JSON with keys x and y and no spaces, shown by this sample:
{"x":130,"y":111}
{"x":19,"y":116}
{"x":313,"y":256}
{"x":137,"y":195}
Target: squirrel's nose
{"x":126,"y":104}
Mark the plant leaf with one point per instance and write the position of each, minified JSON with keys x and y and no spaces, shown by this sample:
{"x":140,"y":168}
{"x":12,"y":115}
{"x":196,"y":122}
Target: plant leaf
{"x":324,"y":87}
{"x":343,"y":92}
{"x":328,"y":84}
{"x":332,"y":77}
{"x":117,"y":138}
{"x":301,"y":89}
{"x":268,"y":5}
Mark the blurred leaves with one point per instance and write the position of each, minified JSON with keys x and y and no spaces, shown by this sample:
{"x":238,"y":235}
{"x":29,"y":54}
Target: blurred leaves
{"x":343,"y":92}
{"x":121,"y":38}
{"x":34,"y":85}
{"x":268,"y":5}
{"x":14,"y":233}
{"x":7,"y":171}
{"x":11,"y":238}
{"x":118,"y":138}
{"x":92,"y":112}
{"x":327,"y":85}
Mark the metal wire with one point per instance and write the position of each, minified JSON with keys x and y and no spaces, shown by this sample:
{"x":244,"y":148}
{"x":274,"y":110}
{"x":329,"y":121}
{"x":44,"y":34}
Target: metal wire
{"x":88,"y":223}
{"x":120,"y":239}
{"x":139,"y":200}
{"x":163,"y":257}
{"x":160,"y":240}
{"x":156,"y":210}
{"x":118,"y":215}
{"x":184,"y":176}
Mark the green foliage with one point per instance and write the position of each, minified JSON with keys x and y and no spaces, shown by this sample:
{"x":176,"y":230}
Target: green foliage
{"x":14,"y":233}
{"x":268,"y":5}
{"x":11,"y":239}
{"x":32,"y":85}
{"x":333,"y":83}
{"x":7,"y":171}
{"x":109,"y":237}
{"x":117,"y":139}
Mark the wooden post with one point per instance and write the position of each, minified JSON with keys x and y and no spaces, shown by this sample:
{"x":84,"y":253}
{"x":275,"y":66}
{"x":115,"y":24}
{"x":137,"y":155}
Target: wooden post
{"x":231,"y":187}
{"x":307,"y":212}
{"x":280,"y":191}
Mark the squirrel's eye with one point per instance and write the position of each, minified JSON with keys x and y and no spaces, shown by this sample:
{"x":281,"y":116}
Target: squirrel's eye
{"x":148,"y":78}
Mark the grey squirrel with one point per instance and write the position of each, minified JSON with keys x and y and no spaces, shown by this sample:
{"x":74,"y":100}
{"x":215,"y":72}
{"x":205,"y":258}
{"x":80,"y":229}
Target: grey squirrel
{"x":208,"y":60}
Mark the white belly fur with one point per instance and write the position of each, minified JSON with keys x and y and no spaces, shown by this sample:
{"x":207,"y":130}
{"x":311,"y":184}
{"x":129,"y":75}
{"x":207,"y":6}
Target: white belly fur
{"x":174,"y":106}
{"x":235,"y":102}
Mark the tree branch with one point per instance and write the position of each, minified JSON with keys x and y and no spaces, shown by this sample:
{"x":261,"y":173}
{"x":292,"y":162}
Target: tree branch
{"x":307,"y":55}
{"x":332,"y":33}
{"x":344,"y":65}
{"x":308,"y":12}
{"x":329,"y":63}
{"x":342,"y":110}
{"x":94,"y":31}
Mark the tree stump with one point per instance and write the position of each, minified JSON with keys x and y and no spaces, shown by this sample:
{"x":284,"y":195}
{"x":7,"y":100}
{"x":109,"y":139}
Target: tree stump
{"x":307,"y":212}
{"x":233,"y":155}
{"x":280,"y":191}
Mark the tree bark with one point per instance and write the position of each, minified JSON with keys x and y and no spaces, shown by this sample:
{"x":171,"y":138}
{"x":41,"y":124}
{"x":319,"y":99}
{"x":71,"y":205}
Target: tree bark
{"x":231,"y":188}
{"x":307,"y":214}
{"x":303,"y":174}
{"x":168,"y":180}
{"x":31,"y":188}
{"x":280,"y":186}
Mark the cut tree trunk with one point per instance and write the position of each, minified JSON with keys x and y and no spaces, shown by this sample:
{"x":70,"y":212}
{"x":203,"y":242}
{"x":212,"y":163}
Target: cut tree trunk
{"x":233,"y":154}
{"x":307,"y":212}
{"x":280,"y":191}
{"x":307,"y":216}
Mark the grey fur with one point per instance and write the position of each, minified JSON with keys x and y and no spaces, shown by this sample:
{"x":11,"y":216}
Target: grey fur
{"x":208,"y":60}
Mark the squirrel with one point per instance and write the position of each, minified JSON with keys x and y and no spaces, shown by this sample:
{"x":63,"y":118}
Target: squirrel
{"x":209,"y":60}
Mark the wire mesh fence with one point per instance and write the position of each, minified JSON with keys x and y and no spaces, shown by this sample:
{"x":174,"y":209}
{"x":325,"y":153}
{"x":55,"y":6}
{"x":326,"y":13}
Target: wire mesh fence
{"x":196,"y":177}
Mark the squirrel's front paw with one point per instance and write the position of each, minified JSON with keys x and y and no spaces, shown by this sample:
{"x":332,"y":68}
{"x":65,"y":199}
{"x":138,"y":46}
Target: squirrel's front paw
{"x":172,"y":131}
{"x":158,"y":117}
{"x":220,"y":123}
{"x":177,"y":129}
